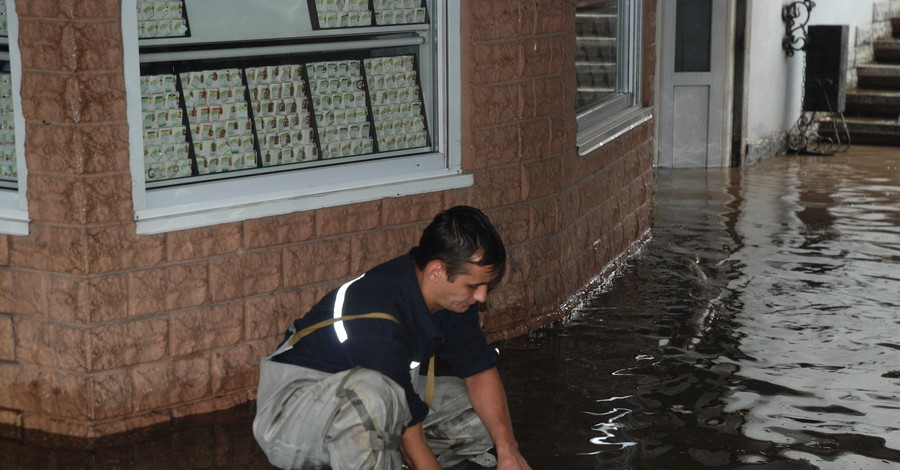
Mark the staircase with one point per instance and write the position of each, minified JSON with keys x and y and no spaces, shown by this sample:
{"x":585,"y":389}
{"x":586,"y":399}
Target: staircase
{"x":595,"y":62}
{"x":873,"y":108}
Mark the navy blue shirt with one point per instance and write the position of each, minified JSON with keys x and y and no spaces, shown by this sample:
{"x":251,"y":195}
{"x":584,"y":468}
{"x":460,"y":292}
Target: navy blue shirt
{"x":386,"y":346}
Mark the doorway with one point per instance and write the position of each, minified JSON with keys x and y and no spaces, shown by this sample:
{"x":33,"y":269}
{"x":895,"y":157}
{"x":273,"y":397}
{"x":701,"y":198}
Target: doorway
{"x":694,"y":122}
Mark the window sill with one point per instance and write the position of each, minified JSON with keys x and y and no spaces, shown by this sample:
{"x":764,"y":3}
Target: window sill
{"x":175,"y":216}
{"x":592,"y":136}
{"x":13,"y":220}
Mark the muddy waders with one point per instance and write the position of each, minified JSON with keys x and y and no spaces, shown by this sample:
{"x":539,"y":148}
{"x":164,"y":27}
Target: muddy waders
{"x":354,"y":419}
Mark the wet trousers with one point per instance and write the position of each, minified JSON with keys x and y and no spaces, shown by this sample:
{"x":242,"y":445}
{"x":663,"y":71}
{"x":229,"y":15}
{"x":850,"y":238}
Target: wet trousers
{"x":351,"y":420}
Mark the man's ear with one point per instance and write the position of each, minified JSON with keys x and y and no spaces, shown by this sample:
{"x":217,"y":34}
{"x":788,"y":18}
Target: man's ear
{"x":435,"y":270}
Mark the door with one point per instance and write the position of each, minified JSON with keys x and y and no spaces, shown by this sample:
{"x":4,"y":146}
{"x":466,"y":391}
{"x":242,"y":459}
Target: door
{"x":695,"y":110}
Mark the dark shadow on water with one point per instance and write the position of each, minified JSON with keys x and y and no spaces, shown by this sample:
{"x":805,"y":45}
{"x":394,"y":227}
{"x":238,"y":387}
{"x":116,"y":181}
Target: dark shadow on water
{"x":220,"y":440}
{"x":758,"y":329}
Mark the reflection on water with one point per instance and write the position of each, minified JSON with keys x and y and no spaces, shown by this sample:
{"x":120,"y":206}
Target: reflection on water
{"x":758,"y":329}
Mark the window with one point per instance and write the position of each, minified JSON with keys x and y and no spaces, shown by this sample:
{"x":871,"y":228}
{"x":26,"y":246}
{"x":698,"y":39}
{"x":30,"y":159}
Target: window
{"x":693,"y":32}
{"x":608,"y":70}
{"x":13,"y":207}
{"x":248,"y":108}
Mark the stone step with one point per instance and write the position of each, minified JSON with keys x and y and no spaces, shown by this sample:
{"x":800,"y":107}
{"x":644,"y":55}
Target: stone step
{"x":586,"y":96}
{"x":596,"y":6}
{"x":862,"y":102}
{"x":879,"y":76}
{"x":869,"y":131}
{"x":595,"y":25}
{"x":887,"y":50}
{"x":595,"y":49}
{"x":596,"y":74}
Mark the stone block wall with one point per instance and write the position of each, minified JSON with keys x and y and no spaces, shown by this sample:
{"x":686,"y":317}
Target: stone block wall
{"x":104,"y":331}
{"x":862,"y":47}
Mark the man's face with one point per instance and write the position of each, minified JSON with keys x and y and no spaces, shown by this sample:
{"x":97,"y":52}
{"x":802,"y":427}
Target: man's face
{"x":465,"y":290}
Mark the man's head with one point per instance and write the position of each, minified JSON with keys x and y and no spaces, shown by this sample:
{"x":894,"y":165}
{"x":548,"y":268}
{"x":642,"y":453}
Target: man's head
{"x":460,"y":241}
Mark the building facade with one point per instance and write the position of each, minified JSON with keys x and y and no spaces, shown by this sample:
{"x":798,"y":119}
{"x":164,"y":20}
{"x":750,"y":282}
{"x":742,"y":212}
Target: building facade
{"x":731,"y":77}
{"x":107,"y":325}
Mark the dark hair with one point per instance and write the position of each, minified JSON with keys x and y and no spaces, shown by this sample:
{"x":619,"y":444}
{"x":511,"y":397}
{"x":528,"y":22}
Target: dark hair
{"x":456,"y":236}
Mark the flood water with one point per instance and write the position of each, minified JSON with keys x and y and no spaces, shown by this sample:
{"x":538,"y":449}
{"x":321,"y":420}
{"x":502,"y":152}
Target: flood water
{"x":758,"y":329}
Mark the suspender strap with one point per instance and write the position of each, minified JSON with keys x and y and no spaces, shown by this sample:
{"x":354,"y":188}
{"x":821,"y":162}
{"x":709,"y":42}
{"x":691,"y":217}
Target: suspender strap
{"x":429,"y":383}
{"x":429,"y":379}
{"x":309,"y":329}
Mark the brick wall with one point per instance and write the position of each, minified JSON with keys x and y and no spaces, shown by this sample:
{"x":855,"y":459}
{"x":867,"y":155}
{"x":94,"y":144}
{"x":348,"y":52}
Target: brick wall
{"x":103,"y":330}
{"x":565,"y":217}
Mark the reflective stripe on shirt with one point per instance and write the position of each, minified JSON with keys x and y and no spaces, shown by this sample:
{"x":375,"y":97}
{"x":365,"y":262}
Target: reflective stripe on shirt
{"x":339,"y":329}
{"x":339,"y":310}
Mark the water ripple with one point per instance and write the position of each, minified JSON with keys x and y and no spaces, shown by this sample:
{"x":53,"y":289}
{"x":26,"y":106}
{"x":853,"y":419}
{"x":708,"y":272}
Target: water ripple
{"x":758,"y":327}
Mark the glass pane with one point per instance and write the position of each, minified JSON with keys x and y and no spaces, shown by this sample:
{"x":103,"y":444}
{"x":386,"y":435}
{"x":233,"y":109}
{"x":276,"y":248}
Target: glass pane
{"x":8,"y":163}
{"x":235,"y":114}
{"x":4,"y":27}
{"x":597,"y":32}
{"x":214,"y":109}
{"x":693,"y":25}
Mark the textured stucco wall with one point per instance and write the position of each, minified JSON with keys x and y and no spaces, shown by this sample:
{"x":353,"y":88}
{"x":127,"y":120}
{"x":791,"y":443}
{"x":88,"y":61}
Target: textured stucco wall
{"x":103,"y":330}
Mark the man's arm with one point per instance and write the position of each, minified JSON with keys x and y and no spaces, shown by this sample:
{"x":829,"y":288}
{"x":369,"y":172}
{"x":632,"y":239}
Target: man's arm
{"x":416,"y":451}
{"x":489,"y":401}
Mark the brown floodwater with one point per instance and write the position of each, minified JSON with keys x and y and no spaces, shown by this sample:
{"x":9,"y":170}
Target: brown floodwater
{"x":759,"y":328}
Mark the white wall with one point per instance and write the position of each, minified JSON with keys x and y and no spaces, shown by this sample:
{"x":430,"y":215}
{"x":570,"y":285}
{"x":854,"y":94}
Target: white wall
{"x":772,"y":92}
{"x":769,"y":92}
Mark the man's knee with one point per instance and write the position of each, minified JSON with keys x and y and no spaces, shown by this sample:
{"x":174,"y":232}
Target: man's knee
{"x":371,"y":386}
{"x":376,"y":400}
{"x":366,"y":432}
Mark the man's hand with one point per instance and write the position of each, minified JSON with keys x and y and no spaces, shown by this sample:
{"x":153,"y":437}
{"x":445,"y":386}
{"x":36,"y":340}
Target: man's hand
{"x":512,"y":461}
{"x":489,"y":401}
{"x":416,"y":451}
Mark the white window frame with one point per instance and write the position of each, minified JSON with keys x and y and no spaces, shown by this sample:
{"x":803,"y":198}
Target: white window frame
{"x":200,"y":204}
{"x":615,"y":115}
{"x":13,"y":204}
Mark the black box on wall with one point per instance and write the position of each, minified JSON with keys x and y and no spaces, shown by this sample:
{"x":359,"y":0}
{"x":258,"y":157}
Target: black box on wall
{"x":824,"y":81}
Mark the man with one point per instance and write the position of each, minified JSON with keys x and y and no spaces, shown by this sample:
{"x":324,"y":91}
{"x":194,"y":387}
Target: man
{"x":339,"y":393}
